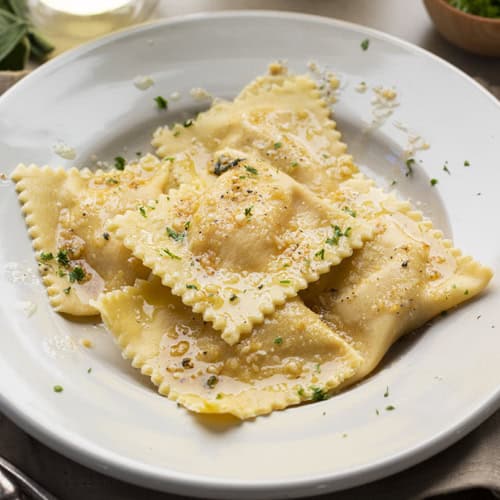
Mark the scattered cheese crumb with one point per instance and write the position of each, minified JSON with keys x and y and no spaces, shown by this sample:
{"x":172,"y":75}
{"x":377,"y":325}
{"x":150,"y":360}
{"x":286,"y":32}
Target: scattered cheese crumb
{"x":64,"y":151}
{"x":199,"y":93}
{"x":3,"y":177}
{"x":383,"y":104}
{"x":175,"y":96}
{"x":361,"y":87}
{"x":87,"y":343}
{"x":28,"y":307}
{"x":414,"y":141}
{"x":143,"y":82}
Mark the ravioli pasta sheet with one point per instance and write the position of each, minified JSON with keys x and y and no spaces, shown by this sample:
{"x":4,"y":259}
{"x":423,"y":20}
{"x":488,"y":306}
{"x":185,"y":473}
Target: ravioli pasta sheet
{"x":235,"y":251}
{"x":279,"y":119}
{"x":292,"y":357}
{"x":397,"y":282}
{"x":253,"y":267}
{"x":66,"y":212}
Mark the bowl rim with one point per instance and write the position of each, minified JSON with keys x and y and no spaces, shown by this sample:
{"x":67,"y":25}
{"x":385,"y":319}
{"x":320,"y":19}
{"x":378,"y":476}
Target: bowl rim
{"x":472,"y":17}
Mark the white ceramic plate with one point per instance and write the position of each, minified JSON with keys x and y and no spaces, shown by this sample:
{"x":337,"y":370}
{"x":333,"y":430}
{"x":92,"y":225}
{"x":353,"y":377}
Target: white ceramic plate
{"x":443,"y":382}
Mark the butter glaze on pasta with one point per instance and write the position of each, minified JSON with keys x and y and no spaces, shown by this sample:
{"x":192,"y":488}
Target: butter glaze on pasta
{"x":66,"y":213}
{"x":255,"y":201}
{"x":236,"y":250}
{"x":292,"y":357}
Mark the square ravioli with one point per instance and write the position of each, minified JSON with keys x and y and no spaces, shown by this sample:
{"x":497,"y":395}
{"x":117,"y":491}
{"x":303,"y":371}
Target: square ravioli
{"x":292,"y":357}
{"x":406,"y":275}
{"x":66,"y":211}
{"x":282,"y":119}
{"x":246,"y":244}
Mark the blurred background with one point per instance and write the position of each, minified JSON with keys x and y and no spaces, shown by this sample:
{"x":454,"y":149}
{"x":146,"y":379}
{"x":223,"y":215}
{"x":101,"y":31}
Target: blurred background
{"x":61,"y":24}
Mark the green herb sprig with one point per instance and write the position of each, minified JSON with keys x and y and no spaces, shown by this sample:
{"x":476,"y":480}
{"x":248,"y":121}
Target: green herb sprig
{"x":18,"y":38}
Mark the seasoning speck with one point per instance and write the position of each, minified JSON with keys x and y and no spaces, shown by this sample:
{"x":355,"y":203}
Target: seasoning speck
{"x":434,"y":182}
{"x":58,"y":388}
{"x":365,"y":44}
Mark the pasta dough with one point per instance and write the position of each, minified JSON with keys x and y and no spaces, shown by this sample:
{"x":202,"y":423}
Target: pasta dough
{"x":397,"y":282}
{"x":248,"y":243}
{"x":292,"y":357}
{"x":66,"y":212}
{"x":281,"y":119}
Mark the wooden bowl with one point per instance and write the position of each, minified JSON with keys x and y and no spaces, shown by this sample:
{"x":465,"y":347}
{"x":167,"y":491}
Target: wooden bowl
{"x":476,"y":34}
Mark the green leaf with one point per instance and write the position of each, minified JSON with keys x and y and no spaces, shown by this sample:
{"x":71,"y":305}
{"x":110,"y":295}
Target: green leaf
{"x":12,"y":31}
{"x":18,"y":7}
{"x":17,"y":58}
{"x":40,"y":47}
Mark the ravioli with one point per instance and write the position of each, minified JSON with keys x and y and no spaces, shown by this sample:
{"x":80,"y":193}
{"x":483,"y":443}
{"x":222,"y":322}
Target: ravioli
{"x":66,"y":212}
{"x":397,"y":282}
{"x":282,"y":119}
{"x":235,"y":251}
{"x":292,"y":357}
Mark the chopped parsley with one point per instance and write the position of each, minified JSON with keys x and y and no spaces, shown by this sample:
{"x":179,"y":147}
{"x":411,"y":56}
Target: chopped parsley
{"x":365,"y":44}
{"x":376,"y":411}
{"x":248,"y":211}
{"x":67,"y":290}
{"x":219,"y":396}
{"x":320,"y":254}
{"x":46,"y":256}
{"x":386,"y":393}
{"x":105,"y":236}
{"x":300,"y":392}
{"x":212,"y":381}
{"x":294,"y":164}
{"x":175,"y":235}
{"x":58,"y":388}
{"x":434,"y":182}
{"x":446,"y":169}
{"x":166,"y":251}
{"x":177,"y":133}
{"x":62,"y":257}
{"x":466,"y":163}
{"x":89,"y":370}
{"x":252,"y":170}
{"x":393,"y":183}
{"x":337,"y":234}
{"x":390,"y":408}
{"x":142,"y":211}
{"x":318,"y":394}
{"x":285,"y":282}
{"x":410,"y":162}
{"x":466,"y":292}
{"x":76,"y":274}
{"x":191,"y":287}
{"x":223,"y":164}
{"x":318,"y":368}
{"x":138,"y":153}
{"x":169,"y":158}
{"x":188,"y":123}
{"x":278,"y":340}
{"x":119,"y":163}
{"x":233,"y":298}
{"x":351,"y":212}
{"x":277,"y":145}
{"x":161,"y":102}
{"x":186,"y":225}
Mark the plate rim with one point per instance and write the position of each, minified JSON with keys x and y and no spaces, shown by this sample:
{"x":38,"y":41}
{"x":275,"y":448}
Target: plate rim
{"x":92,"y":455}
